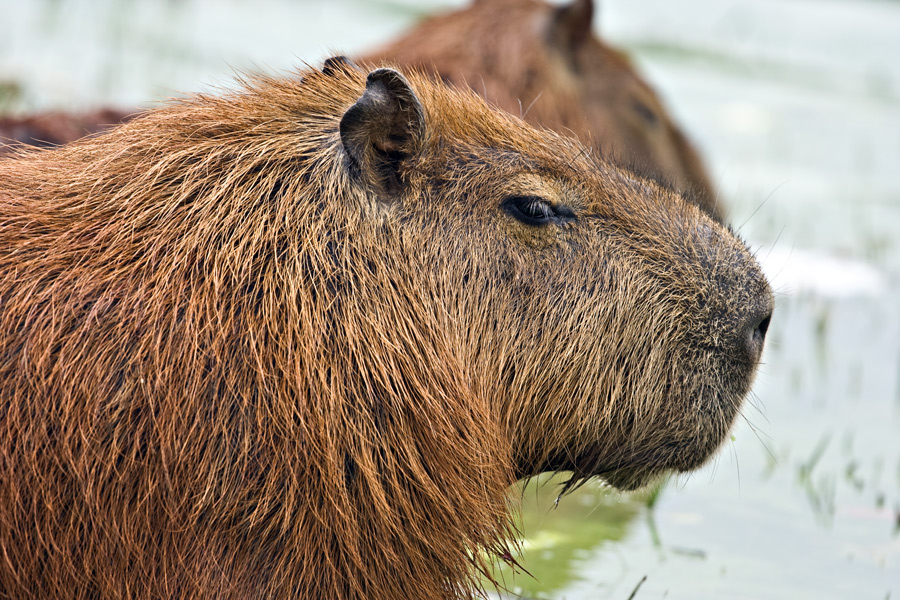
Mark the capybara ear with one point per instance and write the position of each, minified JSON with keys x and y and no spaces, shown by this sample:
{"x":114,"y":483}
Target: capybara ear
{"x":572,"y":24}
{"x":384,"y":129}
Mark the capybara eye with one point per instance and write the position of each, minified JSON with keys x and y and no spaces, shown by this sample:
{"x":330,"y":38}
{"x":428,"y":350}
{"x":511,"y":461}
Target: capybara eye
{"x":536,"y":211}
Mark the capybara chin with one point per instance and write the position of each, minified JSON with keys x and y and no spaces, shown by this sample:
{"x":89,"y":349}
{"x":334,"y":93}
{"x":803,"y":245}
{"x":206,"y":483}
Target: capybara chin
{"x":296,"y":341}
{"x":544,"y":62}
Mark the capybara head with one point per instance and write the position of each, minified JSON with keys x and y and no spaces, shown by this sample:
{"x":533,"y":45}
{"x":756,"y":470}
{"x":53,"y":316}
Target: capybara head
{"x":298,"y":340}
{"x":543,"y":62}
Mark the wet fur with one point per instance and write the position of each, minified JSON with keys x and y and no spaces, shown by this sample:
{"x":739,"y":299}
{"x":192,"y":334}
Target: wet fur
{"x":234,"y":364}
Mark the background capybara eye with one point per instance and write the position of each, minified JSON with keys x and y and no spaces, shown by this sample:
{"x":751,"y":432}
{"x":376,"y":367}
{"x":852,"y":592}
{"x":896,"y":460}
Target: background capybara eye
{"x":645,"y":112}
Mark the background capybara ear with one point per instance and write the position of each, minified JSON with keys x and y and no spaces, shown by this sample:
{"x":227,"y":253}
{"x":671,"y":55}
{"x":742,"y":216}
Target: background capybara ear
{"x":338,"y":63}
{"x":384,"y":128}
{"x":572,"y":24}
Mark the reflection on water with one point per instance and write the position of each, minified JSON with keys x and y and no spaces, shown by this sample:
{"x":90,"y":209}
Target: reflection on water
{"x":796,"y":107}
{"x":558,"y":535}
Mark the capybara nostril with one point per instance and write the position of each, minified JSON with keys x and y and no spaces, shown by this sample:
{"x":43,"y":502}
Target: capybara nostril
{"x":755,"y":332}
{"x":760,"y":332}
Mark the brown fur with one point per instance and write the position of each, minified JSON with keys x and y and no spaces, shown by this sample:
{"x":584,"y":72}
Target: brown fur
{"x":293,"y":342}
{"x":56,"y":128}
{"x":544,"y":62}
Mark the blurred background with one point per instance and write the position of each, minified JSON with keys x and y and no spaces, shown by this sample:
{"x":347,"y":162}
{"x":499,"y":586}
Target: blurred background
{"x":795,"y":106}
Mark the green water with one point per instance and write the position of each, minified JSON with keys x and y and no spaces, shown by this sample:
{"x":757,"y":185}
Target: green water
{"x":796,"y":107}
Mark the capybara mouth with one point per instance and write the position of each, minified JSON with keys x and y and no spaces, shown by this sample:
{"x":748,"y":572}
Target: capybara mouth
{"x":632,"y":470}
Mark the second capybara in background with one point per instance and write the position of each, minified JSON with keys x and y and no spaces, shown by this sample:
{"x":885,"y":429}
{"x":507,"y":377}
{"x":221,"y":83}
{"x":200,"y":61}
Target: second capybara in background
{"x":544,"y":63}
{"x":297,"y":340}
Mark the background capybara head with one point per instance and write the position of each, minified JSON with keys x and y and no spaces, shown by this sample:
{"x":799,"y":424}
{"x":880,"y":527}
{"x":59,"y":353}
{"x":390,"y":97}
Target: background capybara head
{"x":297,"y":341}
{"x":543,"y":62}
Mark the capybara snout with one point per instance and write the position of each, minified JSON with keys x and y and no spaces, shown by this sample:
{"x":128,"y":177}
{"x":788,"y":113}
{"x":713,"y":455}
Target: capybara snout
{"x":675,"y":304}
{"x":297,"y":341}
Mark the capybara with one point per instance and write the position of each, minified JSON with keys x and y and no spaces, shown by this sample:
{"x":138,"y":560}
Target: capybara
{"x":544,"y":62}
{"x":56,"y":127}
{"x":296,"y":341}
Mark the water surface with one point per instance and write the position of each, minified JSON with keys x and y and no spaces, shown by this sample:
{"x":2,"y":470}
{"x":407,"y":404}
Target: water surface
{"x":796,"y":107}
